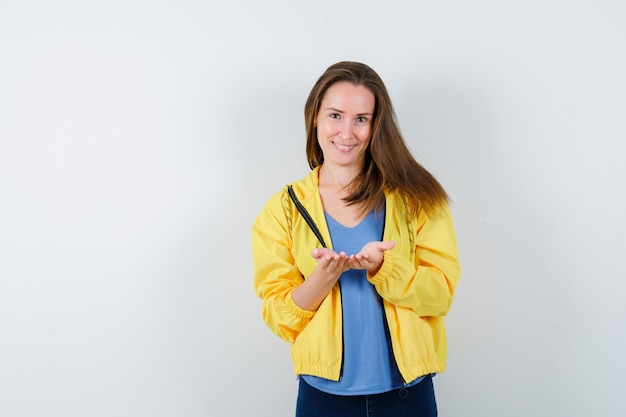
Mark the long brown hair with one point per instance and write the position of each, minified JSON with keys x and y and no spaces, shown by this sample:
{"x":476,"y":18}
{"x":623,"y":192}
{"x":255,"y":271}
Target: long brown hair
{"x":389,"y":164}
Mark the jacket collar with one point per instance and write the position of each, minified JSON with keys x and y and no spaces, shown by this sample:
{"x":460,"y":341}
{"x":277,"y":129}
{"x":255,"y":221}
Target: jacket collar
{"x":307,"y":187}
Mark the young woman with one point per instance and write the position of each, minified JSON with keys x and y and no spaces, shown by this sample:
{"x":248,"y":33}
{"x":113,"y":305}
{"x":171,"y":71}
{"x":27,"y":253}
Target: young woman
{"x":362,"y":304}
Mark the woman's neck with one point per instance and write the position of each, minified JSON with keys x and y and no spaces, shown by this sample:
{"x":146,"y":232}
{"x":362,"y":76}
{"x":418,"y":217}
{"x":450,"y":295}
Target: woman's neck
{"x":337,"y":177}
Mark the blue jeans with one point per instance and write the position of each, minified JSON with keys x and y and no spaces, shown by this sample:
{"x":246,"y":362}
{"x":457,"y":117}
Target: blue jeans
{"x":415,"y":401}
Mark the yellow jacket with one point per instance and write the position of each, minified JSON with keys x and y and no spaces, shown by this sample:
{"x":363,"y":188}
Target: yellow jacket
{"x":416,"y":282}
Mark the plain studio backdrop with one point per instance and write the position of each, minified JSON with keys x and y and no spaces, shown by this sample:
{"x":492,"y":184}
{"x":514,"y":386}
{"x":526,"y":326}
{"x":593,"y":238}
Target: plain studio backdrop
{"x":140,"y":139}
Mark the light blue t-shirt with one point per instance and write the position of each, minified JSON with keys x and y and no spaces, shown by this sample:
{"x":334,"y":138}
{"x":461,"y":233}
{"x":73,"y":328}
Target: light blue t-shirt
{"x":368,"y":365}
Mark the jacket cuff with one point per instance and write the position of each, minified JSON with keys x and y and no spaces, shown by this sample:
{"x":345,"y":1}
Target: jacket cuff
{"x":384,"y":272}
{"x":297,"y":311}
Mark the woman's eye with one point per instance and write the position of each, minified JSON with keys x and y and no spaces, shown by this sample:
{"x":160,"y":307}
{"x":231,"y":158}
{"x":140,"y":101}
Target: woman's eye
{"x":361,"y":119}
{"x":334,"y":115}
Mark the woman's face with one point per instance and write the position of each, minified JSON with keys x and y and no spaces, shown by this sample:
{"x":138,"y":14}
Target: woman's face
{"x":344,"y":124}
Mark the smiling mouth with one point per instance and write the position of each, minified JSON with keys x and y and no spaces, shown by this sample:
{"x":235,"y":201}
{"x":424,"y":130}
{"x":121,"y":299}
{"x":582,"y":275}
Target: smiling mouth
{"x":343,"y":148}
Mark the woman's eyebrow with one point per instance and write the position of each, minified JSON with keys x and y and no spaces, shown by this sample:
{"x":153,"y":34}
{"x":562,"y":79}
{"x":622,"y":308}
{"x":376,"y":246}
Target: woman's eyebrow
{"x":341,"y":111}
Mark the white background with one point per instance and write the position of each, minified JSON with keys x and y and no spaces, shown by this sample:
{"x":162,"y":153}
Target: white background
{"x":139,"y":139}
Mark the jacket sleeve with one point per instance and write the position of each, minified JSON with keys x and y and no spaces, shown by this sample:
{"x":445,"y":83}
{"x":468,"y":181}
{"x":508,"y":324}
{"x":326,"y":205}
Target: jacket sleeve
{"x":275,"y":272}
{"x":426,"y":283}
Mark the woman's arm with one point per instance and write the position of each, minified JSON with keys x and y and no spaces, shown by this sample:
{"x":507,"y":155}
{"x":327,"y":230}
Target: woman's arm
{"x":330,"y":265}
{"x":289,"y":301}
{"x":426,"y":283}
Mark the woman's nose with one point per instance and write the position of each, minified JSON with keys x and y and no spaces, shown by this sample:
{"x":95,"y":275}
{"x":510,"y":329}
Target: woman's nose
{"x":346,"y":130}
